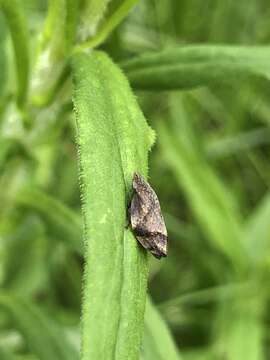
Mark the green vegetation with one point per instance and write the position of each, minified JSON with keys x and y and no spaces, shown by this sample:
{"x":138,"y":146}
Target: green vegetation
{"x":90,"y":92}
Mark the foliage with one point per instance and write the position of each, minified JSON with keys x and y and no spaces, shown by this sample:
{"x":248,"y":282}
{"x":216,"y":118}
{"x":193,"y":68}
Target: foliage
{"x":73,"y":130}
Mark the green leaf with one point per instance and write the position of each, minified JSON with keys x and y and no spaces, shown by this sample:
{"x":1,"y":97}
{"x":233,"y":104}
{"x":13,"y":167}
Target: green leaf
{"x":197,"y":65}
{"x":60,"y":26}
{"x":157,"y":343}
{"x":42,"y":335}
{"x":6,"y":355}
{"x":245,"y":338}
{"x":56,"y":42}
{"x":13,"y":12}
{"x":26,"y":273}
{"x":214,"y":293}
{"x":92,"y":13}
{"x":198,"y":355}
{"x":3,"y":57}
{"x":114,"y":140}
{"x":209,"y":199}
{"x":240,"y":332}
{"x":72,"y":17}
{"x":55,"y":7}
{"x":65,"y":222}
{"x":257,"y":231}
{"x":108,"y":26}
{"x":227,"y":146}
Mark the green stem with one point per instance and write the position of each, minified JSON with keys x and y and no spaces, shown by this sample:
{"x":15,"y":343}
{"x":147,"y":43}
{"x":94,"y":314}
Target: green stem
{"x":107,"y":27}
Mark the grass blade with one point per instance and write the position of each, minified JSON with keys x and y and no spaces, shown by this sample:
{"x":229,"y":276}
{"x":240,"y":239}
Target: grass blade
{"x":42,"y":335}
{"x":258,"y":231}
{"x":157,"y":343}
{"x":114,"y":140}
{"x":210,"y":201}
{"x":65,"y":222}
{"x":240,"y":332}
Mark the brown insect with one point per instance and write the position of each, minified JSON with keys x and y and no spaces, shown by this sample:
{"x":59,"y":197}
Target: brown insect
{"x":146,"y":219}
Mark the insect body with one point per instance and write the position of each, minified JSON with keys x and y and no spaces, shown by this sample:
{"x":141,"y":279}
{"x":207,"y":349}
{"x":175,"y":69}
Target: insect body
{"x":146,"y":219}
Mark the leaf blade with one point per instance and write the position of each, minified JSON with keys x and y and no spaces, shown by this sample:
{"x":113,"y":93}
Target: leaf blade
{"x":44,"y":337}
{"x":114,"y":140}
{"x":188,"y":67}
{"x":209,"y":199}
{"x":158,"y":342}
{"x":108,"y":26}
{"x":16,"y":21}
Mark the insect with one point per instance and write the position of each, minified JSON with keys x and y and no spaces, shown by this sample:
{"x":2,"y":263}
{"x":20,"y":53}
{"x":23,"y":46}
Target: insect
{"x":146,"y":219}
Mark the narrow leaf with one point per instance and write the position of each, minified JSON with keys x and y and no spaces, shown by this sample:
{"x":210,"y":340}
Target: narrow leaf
{"x":16,"y":21}
{"x":55,"y":7}
{"x":158,"y":343}
{"x":258,"y":231}
{"x":72,"y":16}
{"x":3,"y":58}
{"x":108,"y":26}
{"x":60,"y":27}
{"x":209,"y":200}
{"x":92,"y":13}
{"x":65,"y":222}
{"x":43,"y":337}
{"x":114,"y":140}
{"x":240,"y":332}
{"x":246,"y":338}
{"x":197,"y":65}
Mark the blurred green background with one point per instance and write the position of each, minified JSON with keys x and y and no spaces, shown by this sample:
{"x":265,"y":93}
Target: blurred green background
{"x":210,"y":168}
